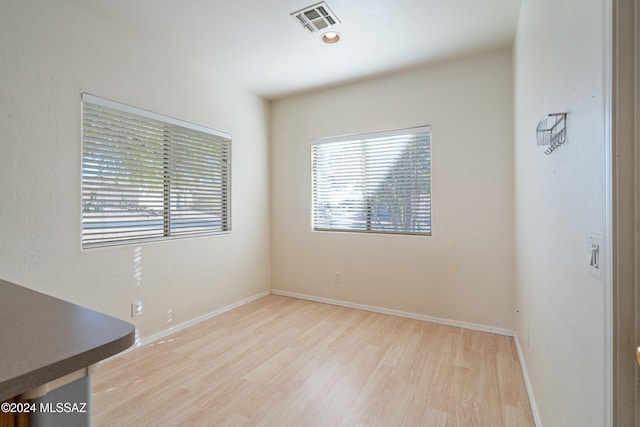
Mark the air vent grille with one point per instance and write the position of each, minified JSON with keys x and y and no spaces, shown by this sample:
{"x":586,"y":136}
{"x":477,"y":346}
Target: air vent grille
{"x":316,"y":17}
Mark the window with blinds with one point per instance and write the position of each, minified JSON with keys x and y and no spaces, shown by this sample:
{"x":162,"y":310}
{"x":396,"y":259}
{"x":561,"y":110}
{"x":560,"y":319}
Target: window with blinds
{"x":377,"y":182}
{"x":146,"y":176}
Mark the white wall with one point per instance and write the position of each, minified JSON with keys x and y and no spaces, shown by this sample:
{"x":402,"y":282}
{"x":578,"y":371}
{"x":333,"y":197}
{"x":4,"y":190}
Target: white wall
{"x":465,"y":270}
{"x":558,"y":57}
{"x":50,"y":50}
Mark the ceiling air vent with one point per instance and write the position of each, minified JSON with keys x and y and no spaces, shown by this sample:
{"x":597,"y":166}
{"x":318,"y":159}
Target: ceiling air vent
{"x":317,"y":17}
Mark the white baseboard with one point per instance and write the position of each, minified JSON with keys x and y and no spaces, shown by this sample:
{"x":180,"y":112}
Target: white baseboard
{"x":141,"y":342}
{"x":527,"y":383}
{"x":172,"y":330}
{"x":448,"y":322}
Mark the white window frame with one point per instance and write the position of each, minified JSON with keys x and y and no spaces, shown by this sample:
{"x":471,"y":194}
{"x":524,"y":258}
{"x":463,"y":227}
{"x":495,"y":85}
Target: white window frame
{"x":147,"y":177}
{"x":377,"y":182}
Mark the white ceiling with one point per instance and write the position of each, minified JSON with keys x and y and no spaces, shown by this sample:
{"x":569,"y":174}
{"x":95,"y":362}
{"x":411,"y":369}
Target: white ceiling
{"x":268,"y":51}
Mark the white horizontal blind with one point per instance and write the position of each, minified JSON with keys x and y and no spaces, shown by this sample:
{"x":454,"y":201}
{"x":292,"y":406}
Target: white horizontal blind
{"x":378,"y":182}
{"x":146,"y":176}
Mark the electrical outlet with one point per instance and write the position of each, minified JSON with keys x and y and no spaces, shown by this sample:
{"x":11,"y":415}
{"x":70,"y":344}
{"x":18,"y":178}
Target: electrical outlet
{"x":337,"y":277}
{"x":136,"y":308}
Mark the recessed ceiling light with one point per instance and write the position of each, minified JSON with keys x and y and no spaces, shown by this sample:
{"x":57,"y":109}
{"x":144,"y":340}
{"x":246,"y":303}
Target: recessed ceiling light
{"x":330,"y":37}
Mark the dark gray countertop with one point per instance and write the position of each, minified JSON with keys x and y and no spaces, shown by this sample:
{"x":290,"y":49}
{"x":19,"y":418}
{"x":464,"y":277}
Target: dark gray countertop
{"x":43,"y":338}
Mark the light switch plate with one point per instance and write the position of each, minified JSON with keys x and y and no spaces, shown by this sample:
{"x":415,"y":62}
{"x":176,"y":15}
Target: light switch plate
{"x":594,"y":255}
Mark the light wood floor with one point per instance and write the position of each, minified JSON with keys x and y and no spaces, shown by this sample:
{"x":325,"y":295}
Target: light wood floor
{"x":285,"y":362}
